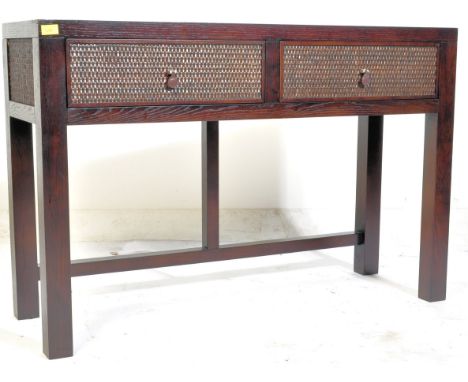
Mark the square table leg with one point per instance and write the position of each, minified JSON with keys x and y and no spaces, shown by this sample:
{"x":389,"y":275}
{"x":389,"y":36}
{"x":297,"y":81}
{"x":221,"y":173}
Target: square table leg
{"x":368,"y":187}
{"x":437,"y":182}
{"x":52,"y":188}
{"x":210,"y":186}
{"x":435,"y":210}
{"x":22,"y":219}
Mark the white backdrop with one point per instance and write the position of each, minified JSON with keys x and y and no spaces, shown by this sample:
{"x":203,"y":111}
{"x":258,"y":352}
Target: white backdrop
{"x":291,"y":164}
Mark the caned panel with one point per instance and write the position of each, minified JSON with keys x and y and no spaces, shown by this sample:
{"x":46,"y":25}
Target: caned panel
{"x":133,"y":72}
{"x":20,"y":71}
{"x":324,"y":71}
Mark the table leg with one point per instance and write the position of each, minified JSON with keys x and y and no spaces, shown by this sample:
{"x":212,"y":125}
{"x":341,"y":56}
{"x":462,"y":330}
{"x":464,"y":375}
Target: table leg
{"x":368,"y":185}
{"x":22,"y":219}
{"x":436,"y":183}
{"x":210,"y":179}
{"x":435,"y":208}
{"x":52,"y":188}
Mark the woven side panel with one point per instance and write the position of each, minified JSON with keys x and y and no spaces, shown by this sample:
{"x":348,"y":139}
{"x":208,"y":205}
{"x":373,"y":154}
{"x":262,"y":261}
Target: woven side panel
{"x":20,"y":71}
{"x":134,"y":73}
{"x":324,"y":71}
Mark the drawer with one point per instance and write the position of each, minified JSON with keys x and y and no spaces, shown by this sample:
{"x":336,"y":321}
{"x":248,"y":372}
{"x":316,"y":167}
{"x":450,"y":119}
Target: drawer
{"x":154,"y":72}
{"x":329,"y":71}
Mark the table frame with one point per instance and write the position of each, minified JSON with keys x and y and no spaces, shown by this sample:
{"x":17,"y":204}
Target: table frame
{"x":51,"y":115}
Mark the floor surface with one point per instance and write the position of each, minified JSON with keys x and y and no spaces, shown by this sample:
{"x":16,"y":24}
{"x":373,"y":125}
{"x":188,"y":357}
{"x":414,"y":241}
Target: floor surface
{"x":294,"y":317}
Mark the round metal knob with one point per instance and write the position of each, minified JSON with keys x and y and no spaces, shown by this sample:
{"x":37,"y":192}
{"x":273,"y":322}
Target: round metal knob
{"x":365,"y":78}
{"x":171,"y":80}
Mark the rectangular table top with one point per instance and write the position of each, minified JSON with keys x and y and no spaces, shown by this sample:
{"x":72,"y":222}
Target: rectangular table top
{"x":124,"y":29}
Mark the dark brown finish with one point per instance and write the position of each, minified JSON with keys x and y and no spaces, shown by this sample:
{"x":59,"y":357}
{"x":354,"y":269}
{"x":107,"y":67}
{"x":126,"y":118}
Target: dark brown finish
{"x":21,"y":209}
{"x":368,"y":185}
{"x":53,"y":73}
{"x":138,"y":261}
{"x":133,"y":72}
{"x":199,"y":255}
{"x":154,"y":30}
{"x":20,"y":71}
{"x":180,"y":113}
{"x":436,"y":184}
{"x":22,"y":220}
{"x":272,"y":67}
{"x":52,"y":188}
{"x":364,"y":78}
{"x":171,"y":80}
{"x":210,"y":184}
{"x":330,"y":70}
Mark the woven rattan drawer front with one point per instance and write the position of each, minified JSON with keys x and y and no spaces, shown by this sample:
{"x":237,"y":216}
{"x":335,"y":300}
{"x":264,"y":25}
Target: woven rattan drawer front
{"x":134,"y":72}
{"x":326,"y":71}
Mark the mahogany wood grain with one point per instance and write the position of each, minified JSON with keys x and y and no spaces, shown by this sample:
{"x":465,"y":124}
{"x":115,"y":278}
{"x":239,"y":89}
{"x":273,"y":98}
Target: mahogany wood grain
{"x":51,"y":115}
{"x":272,"y":68}
{"x":210,"y":184}
{"x":20,"y":164}
{"x":169,"y":30}
{"x":89,"y":116}
{"x":52,"y":188}
{"x":84,"y":267}
{"x":437,"y":183}
{"x":22,"y":220}
{"x":368,"y":186}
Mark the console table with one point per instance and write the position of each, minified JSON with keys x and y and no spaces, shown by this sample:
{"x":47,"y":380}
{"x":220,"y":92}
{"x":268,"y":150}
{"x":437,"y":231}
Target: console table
{"x":60,"y":73}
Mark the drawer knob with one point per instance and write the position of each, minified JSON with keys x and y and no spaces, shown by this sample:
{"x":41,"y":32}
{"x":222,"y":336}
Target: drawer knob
{"x":365,"y":78}
{"x":171,"y":80}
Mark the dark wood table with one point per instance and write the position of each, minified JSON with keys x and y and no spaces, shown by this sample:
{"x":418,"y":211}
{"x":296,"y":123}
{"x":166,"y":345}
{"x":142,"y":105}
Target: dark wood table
{"x":60,"y":73}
